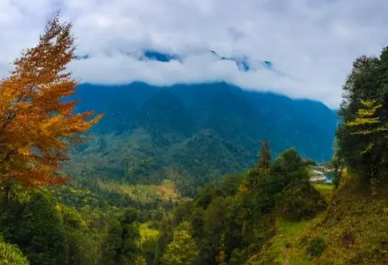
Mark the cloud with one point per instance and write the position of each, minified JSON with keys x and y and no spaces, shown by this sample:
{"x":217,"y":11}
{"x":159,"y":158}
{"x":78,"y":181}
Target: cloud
{"x":309,"y":44}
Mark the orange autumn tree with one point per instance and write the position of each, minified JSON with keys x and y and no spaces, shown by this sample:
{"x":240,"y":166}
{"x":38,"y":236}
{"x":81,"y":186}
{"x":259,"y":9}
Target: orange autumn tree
{"x":37,"y":120}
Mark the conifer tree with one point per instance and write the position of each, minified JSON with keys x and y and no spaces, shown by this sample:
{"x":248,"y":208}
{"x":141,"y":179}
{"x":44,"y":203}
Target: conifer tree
{"x":264,"y":161}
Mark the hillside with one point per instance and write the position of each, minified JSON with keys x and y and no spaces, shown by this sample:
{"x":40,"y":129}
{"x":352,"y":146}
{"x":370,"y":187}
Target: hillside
{"x":351,"y":231}
{"x":204,"y":130}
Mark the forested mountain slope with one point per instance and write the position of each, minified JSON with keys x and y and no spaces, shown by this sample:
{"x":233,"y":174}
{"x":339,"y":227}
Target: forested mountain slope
{"x":205,"y":130}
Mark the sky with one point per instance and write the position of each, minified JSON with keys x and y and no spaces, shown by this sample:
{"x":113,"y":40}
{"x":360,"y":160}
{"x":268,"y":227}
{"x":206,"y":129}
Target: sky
{"x":311,"y":44}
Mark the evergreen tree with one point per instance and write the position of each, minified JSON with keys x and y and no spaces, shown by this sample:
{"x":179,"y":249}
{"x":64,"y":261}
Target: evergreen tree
{"x":121,"y":245}
{"x":264,"y":161}
{"x":40,"y":233}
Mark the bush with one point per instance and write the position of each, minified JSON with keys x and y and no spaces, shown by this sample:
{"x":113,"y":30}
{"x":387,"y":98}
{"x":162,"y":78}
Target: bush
{"x":11,"y":255}
{"x":300,"y":201}
{"x":316,"y":247}
{"x":237,"y":257}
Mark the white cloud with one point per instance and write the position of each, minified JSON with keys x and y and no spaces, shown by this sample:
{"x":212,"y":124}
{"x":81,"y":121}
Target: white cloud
{"x":313,"y":42}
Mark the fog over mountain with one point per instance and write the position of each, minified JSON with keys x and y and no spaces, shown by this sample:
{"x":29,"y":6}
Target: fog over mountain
{"x":309,"y":45}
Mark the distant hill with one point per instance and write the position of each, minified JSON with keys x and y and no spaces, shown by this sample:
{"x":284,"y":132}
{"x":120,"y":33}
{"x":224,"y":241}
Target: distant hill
{"x":202,"y":130}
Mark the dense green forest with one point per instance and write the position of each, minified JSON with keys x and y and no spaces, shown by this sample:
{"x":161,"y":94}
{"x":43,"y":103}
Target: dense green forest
{"x":149,"y":134}
{"x":200,"y":201}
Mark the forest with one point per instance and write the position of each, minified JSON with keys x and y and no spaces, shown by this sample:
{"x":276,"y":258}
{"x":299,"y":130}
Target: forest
{"x":216,"y":209}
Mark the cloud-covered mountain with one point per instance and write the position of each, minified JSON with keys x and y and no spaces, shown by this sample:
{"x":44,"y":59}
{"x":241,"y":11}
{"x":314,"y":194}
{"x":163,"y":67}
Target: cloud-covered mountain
{"x":242,"y":62}
{"x":312,"y":43}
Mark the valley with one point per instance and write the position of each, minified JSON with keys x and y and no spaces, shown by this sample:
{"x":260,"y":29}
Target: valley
{"x":194,"y":134}
{"x":204,"y":173}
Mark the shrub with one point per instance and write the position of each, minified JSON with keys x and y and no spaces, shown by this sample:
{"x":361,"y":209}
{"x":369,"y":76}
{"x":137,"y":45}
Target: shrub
{"x":316,"y":247}
{"x":11,"y":255}
{"x":300,"y":201}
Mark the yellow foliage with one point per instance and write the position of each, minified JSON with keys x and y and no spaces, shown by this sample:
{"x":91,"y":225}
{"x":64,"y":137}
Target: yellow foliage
{"x":37,"y":125}
{"x":243,"y":189}
{"x":166,"y":191}
{"x":58,"y":207}
{"x":365,"y":117}
{"x":148,"y":234}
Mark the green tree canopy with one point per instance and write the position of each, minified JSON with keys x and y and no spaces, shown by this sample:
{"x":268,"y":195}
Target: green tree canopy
{"x":182,"y":250}
{"x":40,"y":233}
{"x":362,"y":137}
{"x":121,"y":246}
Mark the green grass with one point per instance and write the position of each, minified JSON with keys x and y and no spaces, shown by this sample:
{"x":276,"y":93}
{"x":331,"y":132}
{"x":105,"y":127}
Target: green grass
{"x":277,"y":250}
{"x":324,"y":187}
{"x":326,"y":190}
{"x":354,"y":228}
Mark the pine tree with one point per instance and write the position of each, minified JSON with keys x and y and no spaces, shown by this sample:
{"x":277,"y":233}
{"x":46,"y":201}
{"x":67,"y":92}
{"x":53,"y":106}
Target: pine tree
{"x":264,"y":161}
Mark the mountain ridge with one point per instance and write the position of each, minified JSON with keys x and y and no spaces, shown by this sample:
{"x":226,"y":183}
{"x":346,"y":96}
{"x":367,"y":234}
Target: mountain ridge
{"x":206,"y":130}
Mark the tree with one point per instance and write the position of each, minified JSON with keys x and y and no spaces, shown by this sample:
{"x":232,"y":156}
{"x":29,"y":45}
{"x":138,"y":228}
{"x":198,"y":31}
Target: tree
{"x":264,"y":161}
{"x":84,"y":248}
{"x":288,"y":167}
{"x":40,"y":232}
{"x":182,"y":250}
{"x":121,"y":245}
{"x":265,"y":184}
{"x":261,"y":168}
{"x":368,"y":129}
{"x":37,"y":123}
{"x":338,"y":167}
{"x":362,"y":137}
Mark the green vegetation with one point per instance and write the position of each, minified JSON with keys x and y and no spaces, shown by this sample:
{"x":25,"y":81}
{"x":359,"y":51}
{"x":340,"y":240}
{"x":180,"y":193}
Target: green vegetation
{"x":11,"y":255}
{"x":300,"y":201}
{"x":351,"y":231}
{"x":353,"y":228}
{"x":150,"y":134}
{"x":183,"y":249}
{"x":362,"y":138}
{"x":121,"y":244}
{"x":233,"y":219}
{"x":316,"y":247}
{"x":164,"y":191}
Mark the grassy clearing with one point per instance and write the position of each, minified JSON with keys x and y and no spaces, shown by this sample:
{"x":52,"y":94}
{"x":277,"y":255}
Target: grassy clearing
{"x":284,"y":247}
{"x":166,"y":191}
{"x":326,"y":190}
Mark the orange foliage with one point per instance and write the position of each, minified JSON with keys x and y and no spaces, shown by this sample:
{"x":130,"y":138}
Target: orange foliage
{"x":37,"y":123}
